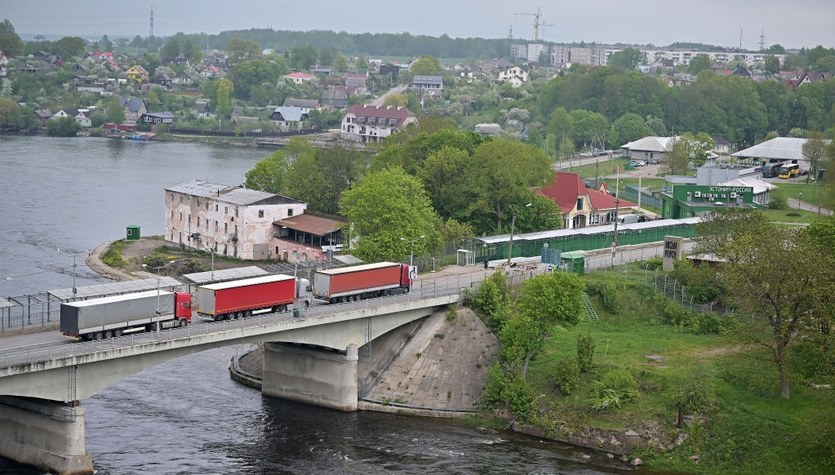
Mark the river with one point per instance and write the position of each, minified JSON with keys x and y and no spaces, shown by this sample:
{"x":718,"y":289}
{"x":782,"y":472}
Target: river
{"x":63,"y":197}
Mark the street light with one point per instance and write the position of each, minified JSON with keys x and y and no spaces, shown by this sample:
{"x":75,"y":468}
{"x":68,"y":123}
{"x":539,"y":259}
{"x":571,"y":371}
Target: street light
{"x":512,"y":225}
{"x":412,"y":248}
{"x":159,"y":310}
{"x":212,"y":251}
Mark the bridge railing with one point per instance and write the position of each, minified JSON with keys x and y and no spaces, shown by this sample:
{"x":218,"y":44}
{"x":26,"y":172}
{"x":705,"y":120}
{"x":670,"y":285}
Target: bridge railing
{"x":427,"y":286}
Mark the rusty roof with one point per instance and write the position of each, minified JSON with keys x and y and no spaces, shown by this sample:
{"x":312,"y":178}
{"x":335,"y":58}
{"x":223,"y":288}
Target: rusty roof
{"x":308,"y":223}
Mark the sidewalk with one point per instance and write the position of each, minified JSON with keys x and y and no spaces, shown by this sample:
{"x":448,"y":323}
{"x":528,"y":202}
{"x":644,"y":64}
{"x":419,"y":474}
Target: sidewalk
{"x":802,"y":205}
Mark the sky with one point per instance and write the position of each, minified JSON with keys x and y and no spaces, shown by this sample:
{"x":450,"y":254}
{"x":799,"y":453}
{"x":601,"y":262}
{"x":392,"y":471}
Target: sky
{"x":660,"y":22}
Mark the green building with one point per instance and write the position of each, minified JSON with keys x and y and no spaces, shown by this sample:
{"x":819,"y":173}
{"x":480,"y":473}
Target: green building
{"x":687,"y":201}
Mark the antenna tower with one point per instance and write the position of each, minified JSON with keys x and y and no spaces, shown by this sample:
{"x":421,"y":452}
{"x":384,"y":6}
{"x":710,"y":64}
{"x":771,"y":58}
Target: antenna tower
{"x":762,"y":40}
{"x":151,"y":29}
{"x":740,"y":38}
{"x":510,"y":33}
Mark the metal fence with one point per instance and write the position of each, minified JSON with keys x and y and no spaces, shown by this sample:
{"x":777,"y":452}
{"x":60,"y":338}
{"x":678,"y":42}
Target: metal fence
{"x":631,"y":193}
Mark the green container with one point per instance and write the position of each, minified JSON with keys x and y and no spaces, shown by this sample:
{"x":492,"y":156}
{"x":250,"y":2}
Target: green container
{"x":574,"y":262}
{"x":132,"y":233}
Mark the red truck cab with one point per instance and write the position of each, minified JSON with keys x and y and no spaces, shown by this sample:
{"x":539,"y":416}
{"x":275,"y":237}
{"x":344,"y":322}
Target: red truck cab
{"x":182,"y":307}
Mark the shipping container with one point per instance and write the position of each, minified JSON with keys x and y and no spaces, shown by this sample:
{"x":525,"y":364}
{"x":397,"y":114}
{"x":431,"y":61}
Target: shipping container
{"x":362,"y":281}
{"x":239,"y":298}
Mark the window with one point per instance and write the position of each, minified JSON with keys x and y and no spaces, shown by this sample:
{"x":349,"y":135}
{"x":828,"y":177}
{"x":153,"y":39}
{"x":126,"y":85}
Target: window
{"x":198,"y":221}
{"x":260,"y":213}
{"x":579,"y":204}
{"x":216,"y":207}
{"x":181,"y":216}
{"x":225,"y":228}
{"x":290,"y":212}
{"x":225,"y":210}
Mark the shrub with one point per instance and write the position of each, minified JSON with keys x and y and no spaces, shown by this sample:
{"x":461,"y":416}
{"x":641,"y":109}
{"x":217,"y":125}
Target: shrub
{"x":654,"y":263}
{"x":585,"y":353}
{"x":508,"y":389}
{"x":778,"y":200}
{"x":693,"y":394}
{"x":113,"y":256}
{"x":674,"y":314}
{"x":610,"y":295}
{"x":615,"y":388}
{"x":566,"y":376}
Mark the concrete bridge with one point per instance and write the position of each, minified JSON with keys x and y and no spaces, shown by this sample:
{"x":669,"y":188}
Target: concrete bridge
{"x":312,"y":359}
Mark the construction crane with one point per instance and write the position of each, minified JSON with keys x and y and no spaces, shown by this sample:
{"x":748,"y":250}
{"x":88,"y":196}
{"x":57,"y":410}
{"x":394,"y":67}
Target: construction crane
{"x":537,"y":17}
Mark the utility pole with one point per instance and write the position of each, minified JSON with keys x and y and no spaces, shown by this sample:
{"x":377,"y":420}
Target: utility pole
{"x":151,"y":28}
{"x":617,"y":209}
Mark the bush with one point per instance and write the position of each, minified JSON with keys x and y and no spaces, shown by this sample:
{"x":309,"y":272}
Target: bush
{"x":654,"y":263}
{"x":610,"y":295}
{"x":566,"y":376}
{"x":585,"y":353}
{"x":508,"y":389}
{"x":615,"y":388}
{"x":693,"y":395}
{"x":778,"y":200}
{"x":701,"y":282}
{"x":674,"y":314}
{"x":63,"y":127}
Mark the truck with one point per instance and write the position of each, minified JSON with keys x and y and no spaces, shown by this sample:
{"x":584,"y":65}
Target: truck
{"x":363,"y":281}
{"x":240,"y":298}
{"x":107,"y":317}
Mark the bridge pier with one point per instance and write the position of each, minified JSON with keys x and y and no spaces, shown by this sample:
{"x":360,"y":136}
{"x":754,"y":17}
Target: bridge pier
{"x":45,"y":434}
{"x":311,"y":375}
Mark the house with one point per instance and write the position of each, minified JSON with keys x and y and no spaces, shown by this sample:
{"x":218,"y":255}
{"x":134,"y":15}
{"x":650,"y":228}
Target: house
{"x":489,"y":130}
{"x":137,"y":73}
{"x":230,"y":220}
{"x":104,"y":58}
{"x":299,"y":77}
{"x":164,"y":81}
{"x":335,"y":98}
{"x":322,"y":70}
{"x":286,"y":117}
{"x":580,"y":205}
{"x":157,"y":118}
{"x":4,"y":60}
{"x":306,"y":105}
{"x":83,"y":118}
{"x":362,"y":123}
{"x":64,"y":113}
{"x":778,"y":149}
{"x":43,"y":115}
{"x":308,"y":235}
{"x":516,"y":76}
{"x":649,"y":148}
{"x":721,"y":146}
{"x":201,"y":110}
{"x":428,"y":85}
{"x":185,"y":78}
{"x":355,"y":81}
{"x":134,"y":108}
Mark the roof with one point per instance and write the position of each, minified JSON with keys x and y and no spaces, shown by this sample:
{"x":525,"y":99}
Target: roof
{"x":779,"y":148}
{"x":759,"y":186}
{"x":132,"y":103}
{"x":650,"y":144}
{"x":428,"y":80}
{"x":299,"y":75}
{"x":567,"y":187}
{"x":290,"y":113}
{"x":161,"y":115}
{"x":346,"y":270}
{"x":93,"y":291}
{"x":251,"y":281}
{"x":387,"y":112}
{"x":308,"y":223}
{"x":236,"y":195}
{"x":305,"y":103}
{"x":590,"y":230}
{"x":208,"y":277}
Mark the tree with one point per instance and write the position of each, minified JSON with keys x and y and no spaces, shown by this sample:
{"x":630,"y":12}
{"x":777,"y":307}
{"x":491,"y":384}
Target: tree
{"x":656,"y":126}
{"x":68,"y":47}
{"x":387,"y":209}
{"x":685,"y":149}
{"x":627,"y":128}
{"x":426,"y":66}
{"x":10,"y":42}
{"x":225,"y":87}
{"x":692,"y":393}
{"x":239,"y":50}
{"x":63,"y":127}
{"x":9,"y":111}
{"x":627,"y":59}
{"x":545,"y":301}
{"x":772,"y":64}
{"x":771,"y":282}
{"x":268,"y":174}
{"x":396,"y":99}
{"x":302,"y":57}
{"x":589,"y":128}
{"x":815,"y":152}
{"x":115,"y":110}
{"x":250,"y":74}
{"x":700,"y":63}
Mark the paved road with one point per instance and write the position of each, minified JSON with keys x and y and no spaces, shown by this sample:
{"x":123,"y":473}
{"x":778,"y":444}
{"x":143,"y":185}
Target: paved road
{"x":802,"y":205}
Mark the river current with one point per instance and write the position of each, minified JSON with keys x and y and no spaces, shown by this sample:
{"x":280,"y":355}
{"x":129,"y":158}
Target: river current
{"x":63,"y":197}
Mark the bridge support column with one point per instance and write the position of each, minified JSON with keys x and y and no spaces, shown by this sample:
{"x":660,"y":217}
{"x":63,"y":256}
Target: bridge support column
{"x":312,"y":375}
{"x":45,"y":434}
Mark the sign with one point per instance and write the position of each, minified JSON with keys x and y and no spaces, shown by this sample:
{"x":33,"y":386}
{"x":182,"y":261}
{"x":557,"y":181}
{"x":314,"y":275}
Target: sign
{"x":412,"y":272}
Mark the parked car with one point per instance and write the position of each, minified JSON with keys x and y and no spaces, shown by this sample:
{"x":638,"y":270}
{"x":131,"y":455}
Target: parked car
{"x":653,"y":161}
{"x":637,"y":163}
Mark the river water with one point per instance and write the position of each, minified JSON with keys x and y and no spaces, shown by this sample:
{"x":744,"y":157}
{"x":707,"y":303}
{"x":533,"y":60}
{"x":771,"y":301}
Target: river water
{"x":63,"y":197}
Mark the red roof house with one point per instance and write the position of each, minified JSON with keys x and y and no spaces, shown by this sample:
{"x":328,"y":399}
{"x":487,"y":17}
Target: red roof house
{"x":580,"y":205}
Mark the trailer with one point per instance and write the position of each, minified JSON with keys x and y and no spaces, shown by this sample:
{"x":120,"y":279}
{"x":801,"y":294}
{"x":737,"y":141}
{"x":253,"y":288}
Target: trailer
{"x":240,"y":298}
{"x":111,"y":316}
{"x":362,"y":281}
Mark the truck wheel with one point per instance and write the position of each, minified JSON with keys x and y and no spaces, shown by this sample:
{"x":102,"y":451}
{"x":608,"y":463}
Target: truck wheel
{"x":183,"y":322}
{"x":97,"y":336}
{"x":248,"y":313}
{"x":117,"y":333}
{"x":240,"y":315}
{"x":108,"y":334}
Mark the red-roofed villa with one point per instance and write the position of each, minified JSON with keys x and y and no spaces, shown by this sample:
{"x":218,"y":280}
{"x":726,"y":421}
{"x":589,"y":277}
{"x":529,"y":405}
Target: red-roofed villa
{"x":363,"y":123}
{"x":580,"y":205}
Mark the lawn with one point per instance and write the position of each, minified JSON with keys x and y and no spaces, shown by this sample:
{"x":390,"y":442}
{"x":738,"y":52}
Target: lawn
{"x":751,"y":430}
{"x":792,"y":216}
{"x":602,"y":168}
{"x":807,"y":192}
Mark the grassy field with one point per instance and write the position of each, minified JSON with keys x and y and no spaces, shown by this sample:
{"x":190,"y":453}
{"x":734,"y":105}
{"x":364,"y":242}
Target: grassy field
{"x":604,"y":167}
{"x":793,"y":216}
{"x":807,"y":192}
{"x":751,"y":430}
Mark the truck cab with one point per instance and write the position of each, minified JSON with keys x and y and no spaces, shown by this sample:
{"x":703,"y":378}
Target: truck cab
{"x":304,"y":292}
{"x":182,"y":307}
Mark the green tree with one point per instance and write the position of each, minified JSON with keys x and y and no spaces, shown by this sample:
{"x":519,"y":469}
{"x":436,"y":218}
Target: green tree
{"x":627,"y":59}
{"x":304,"y":181}
{"x":627,"y":128}
{"x":561,"y":125}
{"x":63,"y":127}
{"x":693,"y":393}
{"x":10,"y":42}
{"x":68,"y":47}
{"x":685,"y":149}
{"x":815,"y":152}
{"x":589,"y":128}
{"x":302,"y":57}
{"x":771,"y":283}
{"x":115,"y":110}
{"x":545,"y":301}
{"x":396,"y":99}
{"x":656,"y":126}
{"x":239,"y":50}
{"x":772,"y":64}
{"x":250,"y":74}
{"x":9,"y":112}
{"x":426,"y":66}
{"x":700,"y":63}
{"x":386,"y":209}
{"x":170,"y":51}
{"x":225,"y":87}
{"x":269,"y":174}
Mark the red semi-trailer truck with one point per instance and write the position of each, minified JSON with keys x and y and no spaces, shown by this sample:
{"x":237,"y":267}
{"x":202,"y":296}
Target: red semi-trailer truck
{"x":239,"y":298}
{"x":362,"y":281}
{"x":107,"y":317}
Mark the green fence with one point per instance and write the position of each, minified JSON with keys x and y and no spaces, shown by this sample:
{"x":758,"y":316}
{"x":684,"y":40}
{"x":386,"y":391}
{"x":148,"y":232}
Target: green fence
{"x":631,"y":193}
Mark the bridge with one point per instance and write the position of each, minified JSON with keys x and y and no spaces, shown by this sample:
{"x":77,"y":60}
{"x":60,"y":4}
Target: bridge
{"x":311,"y":358}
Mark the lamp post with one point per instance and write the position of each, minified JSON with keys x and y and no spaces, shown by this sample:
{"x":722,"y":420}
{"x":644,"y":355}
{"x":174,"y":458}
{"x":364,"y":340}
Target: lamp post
{"x":412,"y":248}
{"x":159,"y":310}
{"x":510,"y":244}
{"x":212,"y":251}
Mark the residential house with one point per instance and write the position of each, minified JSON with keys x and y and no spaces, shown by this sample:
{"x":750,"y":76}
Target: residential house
{"x":4,"y":71}
{"x":356,"y":83}
{"x":721,"y":146}
{"x":363,"y":123}
{"x":299,"y":77}
{"x":4,"y":60}
{"x":335,"y":98}
{"x":43,"y":115}
{"x":201,"y":110}
{"x":489,"y":130}
{"x":230,"y":220}
{"x":288,"y":117}
{"x":185,"y":78}
{"x":64,"y":113}
{"x":104,"y":58}
{"x":322,"y":70}
{"x":137,"y":73}
{"x":134,"y":108}
{"x":428,"y":85}
{"x":649,"y":148}
{"x":516,"y":76}
{"x":83,"y":118}
{"x":582,"y":206}
{"x":306,"y":105}
{"x":157,"y":118}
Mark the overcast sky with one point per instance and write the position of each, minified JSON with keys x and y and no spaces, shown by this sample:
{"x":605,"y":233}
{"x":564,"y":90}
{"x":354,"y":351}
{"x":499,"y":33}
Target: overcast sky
{"x":792,"y":24}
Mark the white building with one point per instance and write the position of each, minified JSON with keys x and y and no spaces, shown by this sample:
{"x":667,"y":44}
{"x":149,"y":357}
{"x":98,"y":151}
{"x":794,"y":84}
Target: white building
{"x":534,"y":50}
{"x":516,"y":76}
{"x":363,"y":123}
{"x":230,"y":220}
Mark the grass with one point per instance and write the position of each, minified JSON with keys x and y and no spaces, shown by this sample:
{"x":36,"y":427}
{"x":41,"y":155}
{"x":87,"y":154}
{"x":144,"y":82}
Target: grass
{"x":751,"y":430}
{"x":807,"y":192}
{"x":604,"y":167}
{"x":794,"y":216}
